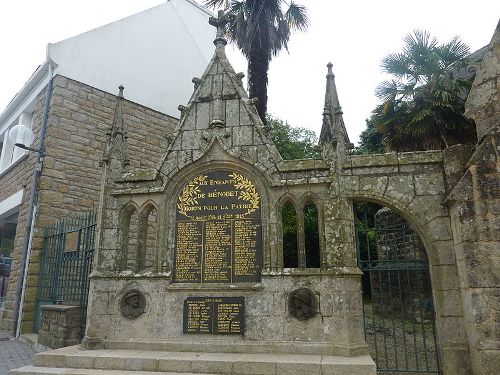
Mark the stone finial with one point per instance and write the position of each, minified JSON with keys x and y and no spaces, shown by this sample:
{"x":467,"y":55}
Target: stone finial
{"x":116,"y":136}
{"x":220,"y":23}
{"x":330,"y":71}
{"x":120,"y":93}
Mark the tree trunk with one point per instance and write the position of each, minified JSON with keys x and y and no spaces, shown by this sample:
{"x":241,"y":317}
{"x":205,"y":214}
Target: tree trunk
{"x":258,"y":66}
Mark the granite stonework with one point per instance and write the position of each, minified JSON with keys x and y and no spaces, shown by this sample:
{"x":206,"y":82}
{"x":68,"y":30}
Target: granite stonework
{"x":449,"y":197}
{"x":60,"y":326}
{"x":475,"y":209}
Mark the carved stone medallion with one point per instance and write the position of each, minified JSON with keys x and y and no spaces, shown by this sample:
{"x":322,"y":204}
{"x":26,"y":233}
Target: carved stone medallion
{"x":132,"y":304}
{"x":302,"y":304}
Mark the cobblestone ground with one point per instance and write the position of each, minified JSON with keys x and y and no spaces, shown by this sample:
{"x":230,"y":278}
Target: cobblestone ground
{"x":14,"y":354}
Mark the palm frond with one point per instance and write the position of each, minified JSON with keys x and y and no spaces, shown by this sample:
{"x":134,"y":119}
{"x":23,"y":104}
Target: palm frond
{"x":296,"y":16}
{"x":217,"y":3}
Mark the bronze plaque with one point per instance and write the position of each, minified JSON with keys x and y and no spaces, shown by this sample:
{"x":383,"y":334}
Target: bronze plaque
{"x":214,"y":315}
{"x":218,"y":230}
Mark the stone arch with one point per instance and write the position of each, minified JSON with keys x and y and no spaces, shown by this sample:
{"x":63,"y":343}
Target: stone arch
{"x":129,"y":217}
{"x":147,"y":241}
{"x":414,"y":217}
{"x":434,"y":231}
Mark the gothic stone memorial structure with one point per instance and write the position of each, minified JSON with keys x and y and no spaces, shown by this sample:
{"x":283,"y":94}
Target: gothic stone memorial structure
{"x":189,"y":273}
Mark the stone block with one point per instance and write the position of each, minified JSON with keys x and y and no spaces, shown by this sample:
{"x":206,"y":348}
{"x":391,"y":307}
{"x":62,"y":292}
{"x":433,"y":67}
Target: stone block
{"x":452,"y":331}
{"x":482,"y":264}
{"x":298,"y":365}
{"x":110,"y":363}
{"x":59,"y":326}
{"x":400,"y":188}
{"x":243,"y":136}
{"x":439,"y":228}
{"x":490,"y":361}
{"x":449,"y":302}
{"x":360,"y":365}
{"x":444,"y":277}
{"x":373,"y":186}
{"x":232,"y":112}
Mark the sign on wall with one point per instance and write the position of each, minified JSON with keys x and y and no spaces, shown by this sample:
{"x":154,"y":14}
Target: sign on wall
{"x":218,"y":235}
{"x":214,"y":315}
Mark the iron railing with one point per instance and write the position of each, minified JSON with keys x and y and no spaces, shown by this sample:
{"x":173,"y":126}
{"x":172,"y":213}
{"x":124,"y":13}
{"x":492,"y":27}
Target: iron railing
{"x":66,"y":262}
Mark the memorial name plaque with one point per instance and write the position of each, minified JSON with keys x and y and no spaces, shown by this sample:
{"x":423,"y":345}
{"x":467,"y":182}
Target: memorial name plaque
{"x":214,"y":315}
{"x":218,"y":230}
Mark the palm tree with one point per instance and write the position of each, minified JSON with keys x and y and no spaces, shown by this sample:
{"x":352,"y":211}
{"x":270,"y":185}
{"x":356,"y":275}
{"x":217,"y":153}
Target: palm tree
{"x":260,"y":29}
{"x":423,"y":105}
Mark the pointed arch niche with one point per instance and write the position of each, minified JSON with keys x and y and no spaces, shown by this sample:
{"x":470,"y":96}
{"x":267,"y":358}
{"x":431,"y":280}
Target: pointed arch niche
{"x":312,"y":251}
{"x":290,"y":230}
{"x":300,"y":229}
{"x":129,"y":219}
{"x":139,"y":237}
{"x":147,"y":242}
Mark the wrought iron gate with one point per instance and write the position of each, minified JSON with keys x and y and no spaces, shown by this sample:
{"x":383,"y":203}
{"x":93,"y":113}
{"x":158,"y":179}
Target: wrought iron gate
{"x":397,"y":297}
{"x":66,"y":261}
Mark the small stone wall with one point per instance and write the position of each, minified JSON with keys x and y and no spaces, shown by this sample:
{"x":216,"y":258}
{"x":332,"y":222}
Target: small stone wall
{"x":60,"y":326}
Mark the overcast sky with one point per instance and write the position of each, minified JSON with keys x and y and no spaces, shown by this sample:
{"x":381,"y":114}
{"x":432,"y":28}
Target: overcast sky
{"x":354,"y":35}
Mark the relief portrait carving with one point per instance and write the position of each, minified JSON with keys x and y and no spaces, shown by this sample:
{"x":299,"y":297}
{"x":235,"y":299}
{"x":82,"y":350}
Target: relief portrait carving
{"x":132,"y":304}
{"x":302,"y":304}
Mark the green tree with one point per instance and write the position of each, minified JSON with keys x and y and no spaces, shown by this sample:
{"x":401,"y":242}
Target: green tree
{"x":423,"y":105}
{"x":260,"y":29}
{"x":292,"y":142}
{"x":371,"y":140}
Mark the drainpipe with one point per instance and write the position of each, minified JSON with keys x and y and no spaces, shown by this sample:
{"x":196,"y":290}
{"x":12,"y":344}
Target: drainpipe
{"x":30,"y":220}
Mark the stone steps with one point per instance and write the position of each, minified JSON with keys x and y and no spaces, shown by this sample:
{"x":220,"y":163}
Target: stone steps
{"x":32,"y":370}
{"x":75,"y":360}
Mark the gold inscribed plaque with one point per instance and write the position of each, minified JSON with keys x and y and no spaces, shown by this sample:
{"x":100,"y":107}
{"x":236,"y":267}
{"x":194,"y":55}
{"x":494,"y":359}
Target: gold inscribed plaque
{"x":218,"y":229}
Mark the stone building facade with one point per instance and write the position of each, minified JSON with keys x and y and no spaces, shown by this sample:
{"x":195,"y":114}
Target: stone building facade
{"x":78,"y":118}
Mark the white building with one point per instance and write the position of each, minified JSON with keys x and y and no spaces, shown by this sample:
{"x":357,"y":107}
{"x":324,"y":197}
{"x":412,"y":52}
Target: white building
{"x":154,"y":54}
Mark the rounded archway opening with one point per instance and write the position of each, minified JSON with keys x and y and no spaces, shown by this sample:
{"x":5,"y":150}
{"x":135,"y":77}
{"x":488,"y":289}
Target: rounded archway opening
{"x":397,"y":294}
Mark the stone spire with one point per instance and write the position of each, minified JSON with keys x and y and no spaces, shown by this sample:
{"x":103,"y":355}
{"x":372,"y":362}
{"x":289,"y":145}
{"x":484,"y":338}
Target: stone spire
{"x":220,"y":42}
{"x":333,"y":129}
{"x":116,"y":136}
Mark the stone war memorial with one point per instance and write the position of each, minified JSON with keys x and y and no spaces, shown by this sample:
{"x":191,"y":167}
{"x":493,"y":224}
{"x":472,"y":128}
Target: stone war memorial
{"x":189,"y":273}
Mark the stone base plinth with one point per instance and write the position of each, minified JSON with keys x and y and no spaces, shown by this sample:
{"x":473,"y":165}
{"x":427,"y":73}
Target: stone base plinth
{"x":76,"y":360}
{"x":60,"y":326}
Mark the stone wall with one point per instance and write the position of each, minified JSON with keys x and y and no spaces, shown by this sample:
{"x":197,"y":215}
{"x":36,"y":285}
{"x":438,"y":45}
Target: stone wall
{"x":474,"y":205}
{"x":60,"y":326}
{"x":69,"y":184}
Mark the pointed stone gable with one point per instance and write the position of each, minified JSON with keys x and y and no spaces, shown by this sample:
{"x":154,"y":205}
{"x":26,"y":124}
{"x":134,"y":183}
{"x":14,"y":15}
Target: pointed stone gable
{"x":220,"y":114}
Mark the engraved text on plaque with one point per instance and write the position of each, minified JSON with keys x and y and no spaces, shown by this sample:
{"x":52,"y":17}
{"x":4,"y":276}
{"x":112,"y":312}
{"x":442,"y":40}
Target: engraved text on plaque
{"x":218,"y":230}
